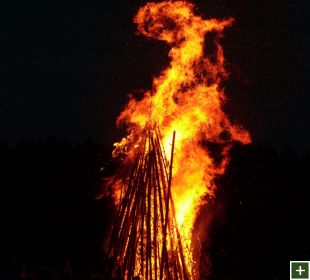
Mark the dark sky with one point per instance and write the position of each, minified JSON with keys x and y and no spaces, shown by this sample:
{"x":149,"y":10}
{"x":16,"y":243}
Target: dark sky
{"x":67,"y":66}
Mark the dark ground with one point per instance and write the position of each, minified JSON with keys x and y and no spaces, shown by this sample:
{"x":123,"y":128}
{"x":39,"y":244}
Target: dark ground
{"x":52,"y":223}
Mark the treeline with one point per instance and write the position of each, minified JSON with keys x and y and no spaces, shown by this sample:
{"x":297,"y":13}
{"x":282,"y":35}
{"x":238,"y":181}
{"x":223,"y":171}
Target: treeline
{"x":52,"y":223}
{"x":49,"y":212}
{"x":262,"y":211}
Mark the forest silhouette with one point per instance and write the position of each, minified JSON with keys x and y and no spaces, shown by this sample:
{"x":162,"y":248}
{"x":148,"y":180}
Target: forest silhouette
{"x":53,"y":227}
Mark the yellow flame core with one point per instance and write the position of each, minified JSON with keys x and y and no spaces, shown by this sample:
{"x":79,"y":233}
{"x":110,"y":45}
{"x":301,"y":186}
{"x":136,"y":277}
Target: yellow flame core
{"x":186,"y":97}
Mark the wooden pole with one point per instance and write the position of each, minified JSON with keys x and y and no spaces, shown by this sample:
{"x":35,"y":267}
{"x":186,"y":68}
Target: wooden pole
{"x":145,"y":239}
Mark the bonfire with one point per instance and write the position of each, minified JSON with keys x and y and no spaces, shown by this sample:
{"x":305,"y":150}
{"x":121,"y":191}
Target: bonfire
{"x":167,"y":166}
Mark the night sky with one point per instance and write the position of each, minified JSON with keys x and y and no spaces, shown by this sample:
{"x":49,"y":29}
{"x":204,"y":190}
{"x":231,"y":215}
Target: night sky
{"x":67,"y":67}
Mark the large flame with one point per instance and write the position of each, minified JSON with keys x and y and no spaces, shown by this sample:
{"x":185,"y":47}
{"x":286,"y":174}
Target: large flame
{"x":186,"y":97}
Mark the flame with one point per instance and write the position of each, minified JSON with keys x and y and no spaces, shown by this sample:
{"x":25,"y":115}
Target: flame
{"x":187,"y":97}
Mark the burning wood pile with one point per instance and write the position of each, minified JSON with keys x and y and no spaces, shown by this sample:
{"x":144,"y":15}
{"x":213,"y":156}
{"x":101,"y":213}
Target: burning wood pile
{"x":145,"y":239}
{"x":153,"y":233}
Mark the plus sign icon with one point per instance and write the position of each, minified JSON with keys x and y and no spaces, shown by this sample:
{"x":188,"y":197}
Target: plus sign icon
{"x":299,"y":270}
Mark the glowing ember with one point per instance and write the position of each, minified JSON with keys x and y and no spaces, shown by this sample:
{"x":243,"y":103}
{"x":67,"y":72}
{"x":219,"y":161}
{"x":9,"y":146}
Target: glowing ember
{"x":187,"y":98}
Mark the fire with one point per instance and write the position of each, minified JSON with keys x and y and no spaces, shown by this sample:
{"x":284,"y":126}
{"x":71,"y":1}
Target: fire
{"x":186,"y":97}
